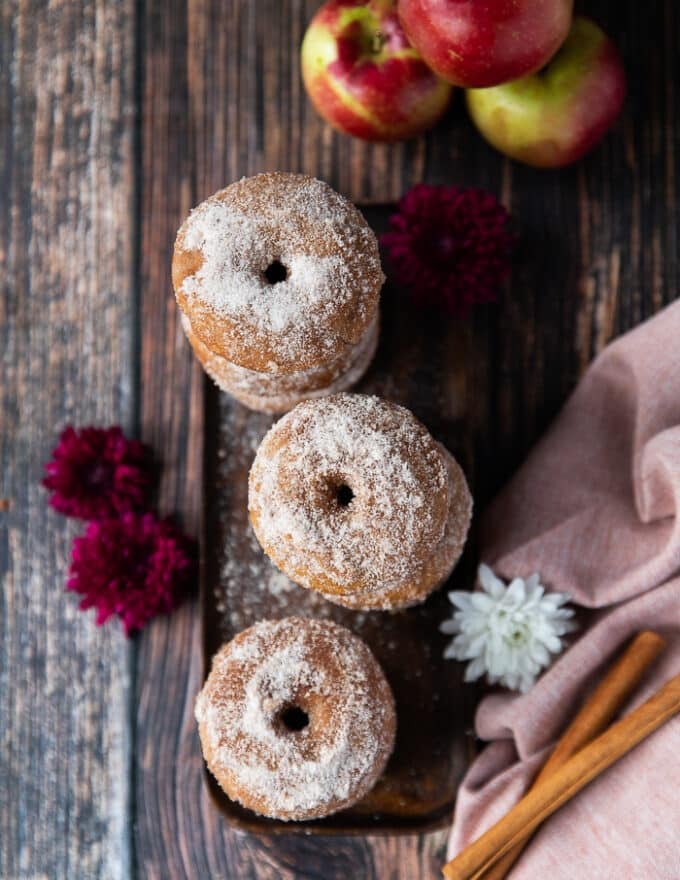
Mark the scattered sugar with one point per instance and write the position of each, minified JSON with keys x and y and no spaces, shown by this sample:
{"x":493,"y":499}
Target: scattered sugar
{"x":251,"y":588}
{"x":278,"y":583}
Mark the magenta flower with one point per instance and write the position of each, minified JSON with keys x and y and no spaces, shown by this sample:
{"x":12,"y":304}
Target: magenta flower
{"x":136,"y":566}
{"x":97,"y":472}
{"x":450,"y":246}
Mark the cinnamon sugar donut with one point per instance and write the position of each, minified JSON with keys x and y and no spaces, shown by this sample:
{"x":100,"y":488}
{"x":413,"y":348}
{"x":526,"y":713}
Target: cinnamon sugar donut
{"x":350,"y":496}
{"x":278,"y":279}
{"x":277,"y":393}
{"x":296,"y":719}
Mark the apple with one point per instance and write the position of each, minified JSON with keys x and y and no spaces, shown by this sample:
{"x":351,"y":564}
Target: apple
{"x":364,"y":77}
{"x":554,"y":117}
{"x":480,"y":43}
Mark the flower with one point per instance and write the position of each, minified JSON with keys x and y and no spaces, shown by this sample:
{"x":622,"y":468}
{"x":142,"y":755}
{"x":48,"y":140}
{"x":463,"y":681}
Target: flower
{"x":450,"y":246}
{"x":135,"y":566}
{"x":507,"y":632}
{"x":97,"y":472}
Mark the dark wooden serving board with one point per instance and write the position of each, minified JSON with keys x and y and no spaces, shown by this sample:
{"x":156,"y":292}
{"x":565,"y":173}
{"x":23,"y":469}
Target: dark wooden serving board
{"x":419,"y":364}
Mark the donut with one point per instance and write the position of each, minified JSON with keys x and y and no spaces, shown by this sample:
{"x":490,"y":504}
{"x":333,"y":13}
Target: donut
{"x":277,"y":393}
{"x":277,"y":278}
{"x":296,"y":718}
{"x":349,"y":495}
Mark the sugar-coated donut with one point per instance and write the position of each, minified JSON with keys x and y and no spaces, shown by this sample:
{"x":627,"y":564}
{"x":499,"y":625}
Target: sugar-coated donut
{"x":278,"y":279}
{"x":279,"y":392}
{"x":296,"y":718}
{"x":350,"y":496}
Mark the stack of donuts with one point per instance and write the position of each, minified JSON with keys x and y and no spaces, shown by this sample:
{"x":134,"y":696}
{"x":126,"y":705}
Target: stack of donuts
{"x":277,"y":278}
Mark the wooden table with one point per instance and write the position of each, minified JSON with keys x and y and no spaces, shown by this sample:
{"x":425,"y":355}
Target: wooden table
{"x":115,"y":117}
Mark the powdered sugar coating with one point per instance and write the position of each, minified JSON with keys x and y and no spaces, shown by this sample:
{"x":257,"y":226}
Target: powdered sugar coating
{"x":441,"y":562}
{"x":279,"y":392}
{"x":332,"y":270}
{"x":320,"y":668}
{"x":397,"y":477}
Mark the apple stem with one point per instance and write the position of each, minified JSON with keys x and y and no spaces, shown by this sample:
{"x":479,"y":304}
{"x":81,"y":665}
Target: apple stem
{"x":377,"y":43}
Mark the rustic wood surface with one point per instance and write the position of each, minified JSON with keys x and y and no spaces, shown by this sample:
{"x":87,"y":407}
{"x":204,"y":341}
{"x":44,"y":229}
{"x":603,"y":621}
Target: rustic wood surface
{"x":115,"y":117}
{"x":66,"y":335}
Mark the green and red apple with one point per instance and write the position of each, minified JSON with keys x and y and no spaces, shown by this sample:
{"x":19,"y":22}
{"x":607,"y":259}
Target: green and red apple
{"x":364,"y":77}
{"x":556,"y":116}
{"x":481,"y":43}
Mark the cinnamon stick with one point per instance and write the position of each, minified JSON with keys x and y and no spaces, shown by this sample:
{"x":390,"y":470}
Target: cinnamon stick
{"x":564,"y":783}
{"x":594,"y":716}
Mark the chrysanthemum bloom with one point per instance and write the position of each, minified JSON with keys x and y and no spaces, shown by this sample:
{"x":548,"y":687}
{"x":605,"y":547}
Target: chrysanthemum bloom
{"x":97,"y":472}
{"x":136,"y":566}
{"x":450,"y":246}
{"x":507,"y":632}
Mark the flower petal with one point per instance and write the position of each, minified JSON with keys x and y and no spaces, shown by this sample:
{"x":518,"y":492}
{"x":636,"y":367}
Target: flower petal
{"x":508,"y":633}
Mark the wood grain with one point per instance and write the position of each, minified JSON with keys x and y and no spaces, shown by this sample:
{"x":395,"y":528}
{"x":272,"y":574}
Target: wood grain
{"x":598,"y":254}
{"x":90,"y":204}
{"x":66,"y":232}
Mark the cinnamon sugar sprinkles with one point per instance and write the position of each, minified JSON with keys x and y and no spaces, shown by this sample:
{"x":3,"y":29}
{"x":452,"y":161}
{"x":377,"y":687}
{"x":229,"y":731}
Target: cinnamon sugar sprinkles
{"x":296,"y":718}
{"x":276,"y":275}
{"x":350,"y":496}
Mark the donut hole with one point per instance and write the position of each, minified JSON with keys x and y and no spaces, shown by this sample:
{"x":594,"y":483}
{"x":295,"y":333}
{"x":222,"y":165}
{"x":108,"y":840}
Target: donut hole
{"x":293,"y":719}
{"x":344,"y":495}
{"x":276,"y":272}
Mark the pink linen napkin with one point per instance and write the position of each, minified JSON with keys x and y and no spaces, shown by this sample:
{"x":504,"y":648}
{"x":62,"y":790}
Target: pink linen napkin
{"x":595,"y":510}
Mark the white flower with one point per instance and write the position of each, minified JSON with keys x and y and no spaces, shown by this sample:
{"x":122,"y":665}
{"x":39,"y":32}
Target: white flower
{"x":507,"y":632}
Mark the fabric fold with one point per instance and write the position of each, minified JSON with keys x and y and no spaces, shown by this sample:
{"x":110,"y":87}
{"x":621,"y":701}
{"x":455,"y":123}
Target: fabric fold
{"x":594,"y":510}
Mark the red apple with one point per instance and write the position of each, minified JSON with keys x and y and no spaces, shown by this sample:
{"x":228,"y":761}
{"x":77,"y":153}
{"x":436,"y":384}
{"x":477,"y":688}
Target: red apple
{"x":554,"y":117}
{"x":479,"y":43}
{"x":364,"y":77}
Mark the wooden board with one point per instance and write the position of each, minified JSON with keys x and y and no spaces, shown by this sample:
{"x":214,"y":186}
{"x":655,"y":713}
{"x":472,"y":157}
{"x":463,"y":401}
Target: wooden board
{"x":420,"y":364}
